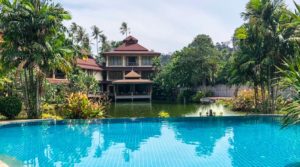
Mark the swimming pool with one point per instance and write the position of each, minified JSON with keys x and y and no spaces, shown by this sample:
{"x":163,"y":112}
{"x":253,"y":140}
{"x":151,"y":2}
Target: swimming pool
{"x":210,"y":142}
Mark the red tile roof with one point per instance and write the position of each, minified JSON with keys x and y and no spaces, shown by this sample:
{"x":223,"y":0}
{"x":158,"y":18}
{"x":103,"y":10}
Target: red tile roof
{"x":145,"y":53}
{"x":130,"y":46}
{"x":88,"y":64}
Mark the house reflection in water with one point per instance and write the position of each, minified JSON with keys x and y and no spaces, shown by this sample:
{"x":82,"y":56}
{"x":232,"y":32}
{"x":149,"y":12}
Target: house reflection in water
{"x":131,"y":135}
{"x":146,"y":142}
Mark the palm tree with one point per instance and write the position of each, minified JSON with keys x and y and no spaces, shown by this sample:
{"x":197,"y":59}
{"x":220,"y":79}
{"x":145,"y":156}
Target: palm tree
{"x":73,"y":30}
{"x":42,"y":48}
{"x":124,"y":29}
{"x":96,"y":34}
{"x":265,"y":17}
{"x":86,"y":43}
{"x":80,"y":34}
{"x":105,"y":46}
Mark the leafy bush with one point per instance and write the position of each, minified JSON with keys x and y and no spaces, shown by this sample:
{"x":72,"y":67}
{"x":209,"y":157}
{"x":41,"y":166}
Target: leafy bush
{"x":82,"y":82}
{"x":78,"y":106}
{"x":209,"y":93}
{"x":245,"y":101}
{"x":226,"y":102}
{"x":50,"y":116}
{"x":55,"y":93}
{"x":186,"y":94}
{"x":163,"y":114}
{"x":10,"y":106}
{"x":199,"y":95}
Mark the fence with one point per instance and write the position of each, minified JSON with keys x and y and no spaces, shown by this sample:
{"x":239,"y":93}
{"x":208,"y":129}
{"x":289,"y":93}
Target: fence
{"x":222,"y":90}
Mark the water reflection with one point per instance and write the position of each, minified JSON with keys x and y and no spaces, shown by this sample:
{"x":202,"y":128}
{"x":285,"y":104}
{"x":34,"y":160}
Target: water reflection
{"x":152,"y":142}
{"x":140,"y":109}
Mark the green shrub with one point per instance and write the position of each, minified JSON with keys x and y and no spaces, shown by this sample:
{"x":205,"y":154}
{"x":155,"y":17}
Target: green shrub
{"x":10,"y":107}
{"x":185,"y":94}
{"x":163,"y":114}
{"x":226,"y":102}
{"x":199,"y":95}
{"x":78,"y":106}
{"x":55,"y":93}
{"x":209,"y":93}
{"x":245,"y":101}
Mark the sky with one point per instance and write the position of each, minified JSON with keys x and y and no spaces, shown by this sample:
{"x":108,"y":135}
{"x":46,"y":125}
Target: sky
{"x":161,"y":25}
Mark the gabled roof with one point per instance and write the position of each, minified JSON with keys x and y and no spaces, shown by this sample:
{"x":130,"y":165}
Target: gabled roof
{"x":88,"y":64}
{"x":131,"y":46}
{"x":132,"y":74}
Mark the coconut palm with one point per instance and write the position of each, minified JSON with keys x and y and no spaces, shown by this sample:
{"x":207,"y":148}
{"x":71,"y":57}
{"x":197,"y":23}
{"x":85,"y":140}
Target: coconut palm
{"x":271,"y":44}
{"x":96,"y":32}
{"x":80,"y":34}
{"x":37,"y":51}
{"x":73,"y":30}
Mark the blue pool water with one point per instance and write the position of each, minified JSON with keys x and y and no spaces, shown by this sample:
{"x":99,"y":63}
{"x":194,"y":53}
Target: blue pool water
{"x":181,"y":142}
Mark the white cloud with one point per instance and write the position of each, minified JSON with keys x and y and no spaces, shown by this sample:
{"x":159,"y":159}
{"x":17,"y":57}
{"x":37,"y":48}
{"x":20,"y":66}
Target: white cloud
{"x":162,"y":25}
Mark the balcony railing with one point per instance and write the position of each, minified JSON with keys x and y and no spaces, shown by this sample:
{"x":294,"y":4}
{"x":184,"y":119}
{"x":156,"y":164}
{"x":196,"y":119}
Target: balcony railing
{"x":132,"y":64}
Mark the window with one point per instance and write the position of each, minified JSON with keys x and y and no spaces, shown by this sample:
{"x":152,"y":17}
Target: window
{"x":115,"y":61}
{"x":132,"y":61}
{"x":60,"y":75}
{"x":147,"y":60}
{"x":114,"y":75}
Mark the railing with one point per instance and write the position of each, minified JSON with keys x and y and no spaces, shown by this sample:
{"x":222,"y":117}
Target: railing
{"x":132,"y":93}
{"x":132,"y":64}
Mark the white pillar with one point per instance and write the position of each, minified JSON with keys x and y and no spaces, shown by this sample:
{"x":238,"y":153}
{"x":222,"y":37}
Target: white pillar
{"x":140,"y":60}
{"x":124,"y":61}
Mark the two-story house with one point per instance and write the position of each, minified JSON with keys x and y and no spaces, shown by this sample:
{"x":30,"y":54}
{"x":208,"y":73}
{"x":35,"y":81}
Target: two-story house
{"x":128,"y":70}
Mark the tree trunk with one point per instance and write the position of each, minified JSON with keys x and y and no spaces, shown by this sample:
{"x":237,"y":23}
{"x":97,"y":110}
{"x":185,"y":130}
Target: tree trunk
{"x":255,"y":96}
{"x":32,"y":93}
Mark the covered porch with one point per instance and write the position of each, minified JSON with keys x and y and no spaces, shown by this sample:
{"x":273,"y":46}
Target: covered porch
{"x":141,"y":89}
{"x":132,"y":87}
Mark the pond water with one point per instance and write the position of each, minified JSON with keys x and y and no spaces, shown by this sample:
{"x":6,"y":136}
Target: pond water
{"x":155,"y":109}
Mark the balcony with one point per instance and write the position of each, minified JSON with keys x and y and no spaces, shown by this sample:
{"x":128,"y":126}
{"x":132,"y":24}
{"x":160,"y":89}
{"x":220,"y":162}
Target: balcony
{"x":132,"y":64}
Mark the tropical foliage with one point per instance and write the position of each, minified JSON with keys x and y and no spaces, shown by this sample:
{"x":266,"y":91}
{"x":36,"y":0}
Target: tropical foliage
{"x":263,"y":42}
{"x":82,"y":82}
{"x":37,"y":51}
{"x":291,"y":81}
{"x":79,"y":106}
{"x":10,"y":107}
{"x":201,"y":55}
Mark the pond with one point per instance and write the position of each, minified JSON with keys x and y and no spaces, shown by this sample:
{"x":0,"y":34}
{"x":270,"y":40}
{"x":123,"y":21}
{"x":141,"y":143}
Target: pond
{"x":154,"y":109}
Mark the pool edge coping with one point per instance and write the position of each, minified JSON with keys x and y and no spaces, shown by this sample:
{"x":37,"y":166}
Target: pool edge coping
{"x":8,"y":122}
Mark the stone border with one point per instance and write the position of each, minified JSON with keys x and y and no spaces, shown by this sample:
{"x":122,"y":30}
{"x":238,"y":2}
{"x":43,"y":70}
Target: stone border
{"x":5,"y":122}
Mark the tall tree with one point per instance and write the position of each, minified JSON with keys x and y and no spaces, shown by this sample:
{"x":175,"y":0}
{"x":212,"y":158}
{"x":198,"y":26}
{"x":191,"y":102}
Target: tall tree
{"x":73,"y":30}
{"x":264,"y":42}
{"x":96,"y":32}
{"x":34,"y":41}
